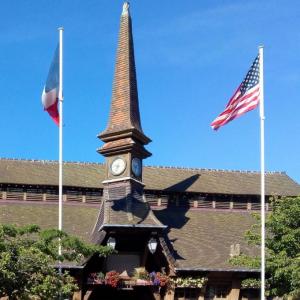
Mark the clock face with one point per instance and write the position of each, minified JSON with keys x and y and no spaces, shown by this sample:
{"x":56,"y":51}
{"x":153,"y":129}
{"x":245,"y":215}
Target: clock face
{"x":118,"y":166}
{"x":136,"y":166}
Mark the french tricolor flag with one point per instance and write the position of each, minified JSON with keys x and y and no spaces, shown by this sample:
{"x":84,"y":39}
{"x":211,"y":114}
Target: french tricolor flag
{"x":50,"y":92}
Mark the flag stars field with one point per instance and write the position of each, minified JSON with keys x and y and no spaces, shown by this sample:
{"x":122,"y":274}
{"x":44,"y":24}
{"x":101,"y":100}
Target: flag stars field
{"x":244,"y":99}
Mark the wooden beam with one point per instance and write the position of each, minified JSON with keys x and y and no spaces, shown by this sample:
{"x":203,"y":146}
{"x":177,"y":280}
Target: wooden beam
{"x":145,"y":256}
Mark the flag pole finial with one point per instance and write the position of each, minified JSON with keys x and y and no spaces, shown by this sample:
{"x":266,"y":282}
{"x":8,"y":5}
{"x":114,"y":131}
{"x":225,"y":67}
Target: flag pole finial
{"x":125,"y":8}
{"x":60,"y":28}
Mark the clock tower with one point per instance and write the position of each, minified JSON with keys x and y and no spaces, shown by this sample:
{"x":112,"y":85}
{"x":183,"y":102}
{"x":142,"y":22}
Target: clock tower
{"x":124,"y":138}
{"x":124,"y":147}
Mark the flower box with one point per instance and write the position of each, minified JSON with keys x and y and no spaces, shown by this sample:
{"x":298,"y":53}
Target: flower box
{"x":143,"y":282}
{"x":129,"y":282}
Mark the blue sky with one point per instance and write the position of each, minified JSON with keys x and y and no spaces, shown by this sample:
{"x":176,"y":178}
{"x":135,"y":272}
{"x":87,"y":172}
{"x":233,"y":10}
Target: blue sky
{"x":190,"y":57}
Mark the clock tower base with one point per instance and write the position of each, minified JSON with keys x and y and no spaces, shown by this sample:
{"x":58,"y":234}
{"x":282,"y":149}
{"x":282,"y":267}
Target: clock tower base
{"x":125,"y":202}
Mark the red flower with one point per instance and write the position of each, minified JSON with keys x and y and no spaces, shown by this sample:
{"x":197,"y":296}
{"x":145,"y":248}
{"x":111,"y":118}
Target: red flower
{"x":112,"y":278}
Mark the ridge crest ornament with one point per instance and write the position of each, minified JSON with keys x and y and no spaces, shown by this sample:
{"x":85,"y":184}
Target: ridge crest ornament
{"x":125,"y":8}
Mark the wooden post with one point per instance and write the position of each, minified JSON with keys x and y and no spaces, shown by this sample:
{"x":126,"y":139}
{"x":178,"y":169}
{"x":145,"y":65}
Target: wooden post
{"x":235,"y":290}
{"x":87,"y":294}
{"x":169,"y":295}
{"x":202,"y":293}
{"x":159,"y":201}
{"x":77,"y":295}
{"x":249,"y":205}
{"x":156,"y":295}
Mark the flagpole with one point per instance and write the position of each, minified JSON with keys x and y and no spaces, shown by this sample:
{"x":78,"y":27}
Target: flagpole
{"x":60,"y":99}
{"x":262,"y":168}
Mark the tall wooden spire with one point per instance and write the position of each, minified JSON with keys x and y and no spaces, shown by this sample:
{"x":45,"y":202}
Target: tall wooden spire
{"x":124,"y":125}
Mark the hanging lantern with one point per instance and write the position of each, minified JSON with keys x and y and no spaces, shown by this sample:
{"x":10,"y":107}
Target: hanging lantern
{"x":111,"y":242}
{"x":152,"y":245}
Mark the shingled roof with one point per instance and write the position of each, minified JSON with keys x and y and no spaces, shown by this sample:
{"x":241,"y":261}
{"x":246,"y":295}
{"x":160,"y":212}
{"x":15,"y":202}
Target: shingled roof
{"x":200,"y":239}
{"x":91,"y":175}
{"x":78,"y":219}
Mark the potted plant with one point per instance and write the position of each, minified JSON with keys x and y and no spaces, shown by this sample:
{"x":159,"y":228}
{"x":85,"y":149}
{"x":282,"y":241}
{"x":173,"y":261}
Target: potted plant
{"x":96,"y":278}
{"x":162,"y":278}
{"x":190,"y":282}
{"x":251,"y":283}
{"x":112,"y":278}
{"x":142,"y":276}
{"x":154,"y":279}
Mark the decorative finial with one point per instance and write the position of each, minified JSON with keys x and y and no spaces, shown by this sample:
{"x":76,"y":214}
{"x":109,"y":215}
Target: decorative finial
{"x":125,"y":8}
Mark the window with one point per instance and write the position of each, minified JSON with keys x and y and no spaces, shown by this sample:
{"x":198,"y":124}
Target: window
{"x":121,"y":262}
{"x":217,"y":292}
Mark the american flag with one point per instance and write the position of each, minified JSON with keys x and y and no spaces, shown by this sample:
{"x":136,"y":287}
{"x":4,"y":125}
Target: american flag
{"x":244,"y":99}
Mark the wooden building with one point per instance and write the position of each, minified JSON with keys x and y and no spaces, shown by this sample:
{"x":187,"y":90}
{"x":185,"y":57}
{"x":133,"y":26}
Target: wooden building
{"x":181,"y":225}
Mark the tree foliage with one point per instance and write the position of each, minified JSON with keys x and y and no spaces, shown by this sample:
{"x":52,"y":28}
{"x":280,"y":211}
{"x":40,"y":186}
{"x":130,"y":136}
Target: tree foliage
{"x":282,"y":248}
{"x":27,"y":259}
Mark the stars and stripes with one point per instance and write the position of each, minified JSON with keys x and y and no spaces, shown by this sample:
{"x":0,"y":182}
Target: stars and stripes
{"x":244,"y":99}
{"x":50,"y":92}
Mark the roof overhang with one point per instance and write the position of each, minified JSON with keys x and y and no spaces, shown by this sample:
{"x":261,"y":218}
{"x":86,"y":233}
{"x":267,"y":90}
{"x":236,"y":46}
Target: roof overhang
{"x":135,"y":226}
{"x":68,"y":267}
{"x":216,"y":270}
